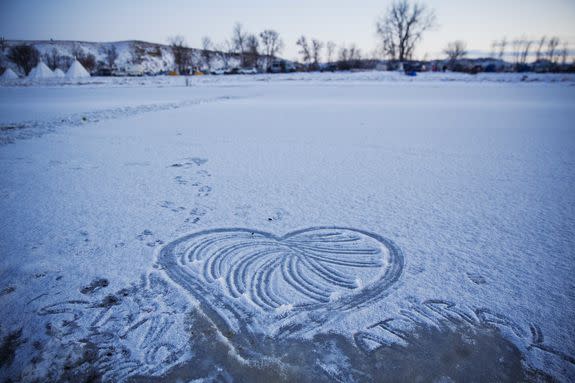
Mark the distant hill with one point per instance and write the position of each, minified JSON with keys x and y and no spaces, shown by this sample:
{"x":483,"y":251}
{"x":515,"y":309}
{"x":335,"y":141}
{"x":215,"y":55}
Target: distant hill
{"x":133,"y":57}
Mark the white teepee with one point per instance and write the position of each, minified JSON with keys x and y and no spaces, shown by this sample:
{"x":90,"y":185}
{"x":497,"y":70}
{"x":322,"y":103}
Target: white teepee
{"x":76,"y":70}
{"x":40,"y":72}
{"x":9,"y":74}
{"x":59,"y":73}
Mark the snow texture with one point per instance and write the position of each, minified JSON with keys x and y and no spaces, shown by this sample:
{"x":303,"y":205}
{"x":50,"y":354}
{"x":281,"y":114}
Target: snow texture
{"x":327,"y":225}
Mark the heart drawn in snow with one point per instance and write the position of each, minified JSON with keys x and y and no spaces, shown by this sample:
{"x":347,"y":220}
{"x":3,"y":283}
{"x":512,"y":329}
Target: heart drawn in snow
{"x":252,"y":280}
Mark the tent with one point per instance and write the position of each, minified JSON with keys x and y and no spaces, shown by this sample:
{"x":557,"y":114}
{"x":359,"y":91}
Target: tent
{"x":9,"y":74}
{"x":40,"y":72}
{"x":76,"y":70}
{"x":59,"y":73}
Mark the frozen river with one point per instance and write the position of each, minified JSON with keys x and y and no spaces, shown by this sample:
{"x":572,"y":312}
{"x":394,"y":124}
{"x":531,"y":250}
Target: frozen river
{"x":311,"y":228}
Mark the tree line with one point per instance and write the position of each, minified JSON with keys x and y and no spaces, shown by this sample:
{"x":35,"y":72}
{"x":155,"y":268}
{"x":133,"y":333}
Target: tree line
{"x":524,"y":52}
{"x":399,"y":30}
{"x":252,"y":50}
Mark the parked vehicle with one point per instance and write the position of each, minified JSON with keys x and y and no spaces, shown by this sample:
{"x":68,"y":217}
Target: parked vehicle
{"x":104,"y":72}
{"x":248,"y":71}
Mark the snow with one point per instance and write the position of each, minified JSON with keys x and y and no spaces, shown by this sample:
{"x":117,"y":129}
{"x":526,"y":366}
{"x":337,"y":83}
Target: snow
{"x":76,"y":70}
{"x":368,"y":77}
{"x":148,"y":57}
{"x":9,"y":74}
{"x":59,"y":73}
{"x":40,"y":72}
{"x":299,"y":207}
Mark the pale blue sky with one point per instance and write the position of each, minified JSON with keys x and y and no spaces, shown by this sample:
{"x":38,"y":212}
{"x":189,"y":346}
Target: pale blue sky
{"x":477,"y":22}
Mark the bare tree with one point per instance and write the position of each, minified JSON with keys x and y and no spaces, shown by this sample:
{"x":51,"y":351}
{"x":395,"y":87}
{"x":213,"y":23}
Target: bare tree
{"x":330,"y":48}
{"x":348,"y":57}
{"x":493,"y":51}
{"x":25,"y":57}
{"x":88,"y":61}
{"x":207,"y":52}
{"x":52,"y":59}
{"x":252,"y":53}
{"x":225,"y":51}
{"x":316,"y":47}
{"x":354,"y":53}
{"x":516,"y":46}
{"x":539,"y":52}
{"x":111,"y":56}
{"x":455,"y":50}
{"x":502,"y":46}
{"x":564,"y":54}
{"x":552,"y":45}
{"x":343,"y":54}
{"x":182,"y":54}
{"x":272,"y":45}
{"x":304,"y":50}
{"x":402,"y":27}
{"x":3,"y":44}
{"x":239,"y":41}
{"x":525,"y":51}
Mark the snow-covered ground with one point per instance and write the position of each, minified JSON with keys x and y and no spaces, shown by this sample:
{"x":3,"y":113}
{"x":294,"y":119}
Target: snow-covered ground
{"x":348,"y":77}
{"x":310,"y":226}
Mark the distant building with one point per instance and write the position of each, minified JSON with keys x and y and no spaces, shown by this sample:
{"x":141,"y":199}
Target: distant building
{"x":282,"y":66}
{"x":381,"y":66}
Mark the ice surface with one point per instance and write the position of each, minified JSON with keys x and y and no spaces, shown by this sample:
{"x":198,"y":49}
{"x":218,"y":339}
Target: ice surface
{"x":108,"y":223}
